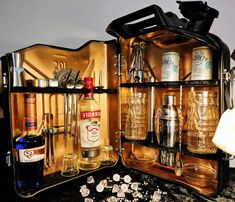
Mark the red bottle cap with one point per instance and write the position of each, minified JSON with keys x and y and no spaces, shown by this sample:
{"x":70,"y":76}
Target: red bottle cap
{"x":88,"y":84}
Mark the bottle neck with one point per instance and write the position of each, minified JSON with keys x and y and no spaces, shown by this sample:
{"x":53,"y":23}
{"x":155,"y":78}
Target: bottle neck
{"x":89,"y":96}
{"x":30,"y":113}
{"x":88,"y":84}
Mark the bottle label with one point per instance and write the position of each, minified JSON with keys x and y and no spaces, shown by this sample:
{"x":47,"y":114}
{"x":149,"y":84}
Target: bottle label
{"x":31,"y":155}
{"x":30,"y":124}
{"x":30,"y":112}
{"x":90,"y":114}
{"x":90,"y":129}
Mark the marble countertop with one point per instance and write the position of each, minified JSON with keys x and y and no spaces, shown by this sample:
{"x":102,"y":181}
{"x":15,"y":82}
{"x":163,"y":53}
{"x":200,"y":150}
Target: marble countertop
{"x":108,"y":185}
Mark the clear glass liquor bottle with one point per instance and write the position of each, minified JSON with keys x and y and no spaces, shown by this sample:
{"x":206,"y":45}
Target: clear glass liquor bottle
{"x":89,"y":129}
{"x":29,"y":148}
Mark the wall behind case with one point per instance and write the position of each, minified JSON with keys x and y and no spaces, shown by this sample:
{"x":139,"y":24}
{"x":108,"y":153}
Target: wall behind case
{"x":72,"y":23}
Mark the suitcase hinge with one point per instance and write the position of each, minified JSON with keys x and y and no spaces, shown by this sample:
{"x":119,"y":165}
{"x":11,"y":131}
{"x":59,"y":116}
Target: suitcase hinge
{"x":4,"y":80}
{"x":227,"y":78}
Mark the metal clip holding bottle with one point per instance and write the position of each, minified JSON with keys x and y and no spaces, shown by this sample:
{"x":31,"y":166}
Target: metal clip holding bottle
{"x":17,"y":70}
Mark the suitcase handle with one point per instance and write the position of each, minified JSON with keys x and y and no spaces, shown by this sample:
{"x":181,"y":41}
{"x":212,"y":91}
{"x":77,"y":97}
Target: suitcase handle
{"x":138,"y":22}
{"x":198,"y":18}
{"x":200,"y":15}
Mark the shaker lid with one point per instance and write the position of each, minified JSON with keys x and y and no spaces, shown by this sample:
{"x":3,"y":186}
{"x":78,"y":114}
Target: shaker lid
{"x":169,"y":100}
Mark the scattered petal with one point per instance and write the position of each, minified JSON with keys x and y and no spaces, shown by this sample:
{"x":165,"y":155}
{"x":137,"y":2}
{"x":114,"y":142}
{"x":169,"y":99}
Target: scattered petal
{"x":124,"y":187}
{"x":104,"y":183}
{"x":88,"y":200}
{"x":127,"y":179}
{"x":116,"y":177}
{"x":112,"y":199}
{"x":135,"y":186}
{"x":84,"y":191}
{"x":90,"y":180}
{"x":100,"y":187}
{"x":121,"y":194}
{"x":115,"y":188}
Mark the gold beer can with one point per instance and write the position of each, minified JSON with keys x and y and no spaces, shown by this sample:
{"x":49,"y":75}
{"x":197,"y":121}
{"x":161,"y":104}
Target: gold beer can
{"x":202,"y":63}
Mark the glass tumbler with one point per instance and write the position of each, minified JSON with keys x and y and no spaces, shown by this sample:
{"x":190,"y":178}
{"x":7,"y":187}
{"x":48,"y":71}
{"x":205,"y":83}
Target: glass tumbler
{"x":107,"y":155}
{"x":70,"y":165}
{"x":202,"y":120}
{"x":136,"y":122}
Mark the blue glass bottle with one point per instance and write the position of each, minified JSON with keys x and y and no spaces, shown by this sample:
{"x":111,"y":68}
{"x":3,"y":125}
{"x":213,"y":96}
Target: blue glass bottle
{"x":29,"y":149}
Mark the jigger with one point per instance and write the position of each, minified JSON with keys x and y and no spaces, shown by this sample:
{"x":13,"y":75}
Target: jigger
{"x":18,"y":80}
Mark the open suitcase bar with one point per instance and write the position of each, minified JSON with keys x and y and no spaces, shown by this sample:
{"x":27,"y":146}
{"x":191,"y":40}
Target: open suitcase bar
{"x":159,"y":33}
{"x":42,"y":61}
{"x":112,"y":64}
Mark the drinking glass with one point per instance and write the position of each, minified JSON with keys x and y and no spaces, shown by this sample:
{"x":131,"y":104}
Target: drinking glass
{"x":70,"y":165}
{"x":136,"y":121}
{"x":107,"y":155}
{"x":202,"y":120}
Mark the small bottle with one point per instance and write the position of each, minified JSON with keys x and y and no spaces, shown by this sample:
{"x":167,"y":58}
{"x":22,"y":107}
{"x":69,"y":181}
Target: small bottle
{"x":167,"y":129}
{"x":29,"y":147}
{"x":89,"y":129}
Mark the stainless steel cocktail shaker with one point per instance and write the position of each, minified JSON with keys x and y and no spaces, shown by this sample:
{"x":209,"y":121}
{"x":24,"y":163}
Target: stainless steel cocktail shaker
{"x":167,"y":128}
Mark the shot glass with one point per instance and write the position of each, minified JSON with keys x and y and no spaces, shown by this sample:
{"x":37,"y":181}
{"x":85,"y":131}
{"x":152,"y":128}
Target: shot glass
{"x":70,"y":165}
{"x":107,"y":157}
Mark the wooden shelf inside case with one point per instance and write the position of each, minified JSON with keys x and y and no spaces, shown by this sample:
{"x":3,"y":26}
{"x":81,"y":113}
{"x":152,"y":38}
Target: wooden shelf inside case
{"x":167,"y":84}
{"x":165,"y":172}
{"x":175,"y":149}
{"x":59,"y":90}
